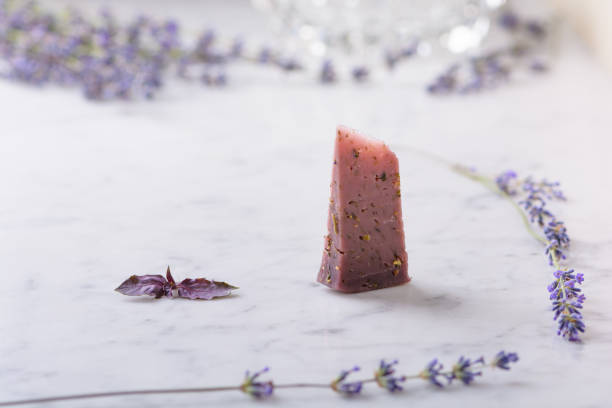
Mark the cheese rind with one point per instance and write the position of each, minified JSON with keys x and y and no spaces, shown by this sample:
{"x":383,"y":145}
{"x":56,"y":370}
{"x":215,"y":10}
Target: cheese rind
{"x":364,"y":248}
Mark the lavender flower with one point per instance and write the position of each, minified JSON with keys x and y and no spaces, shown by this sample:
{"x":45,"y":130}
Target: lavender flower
{"x":464,"y":371}
{"x":203,"y":49}
{"x":341,"y":386}
{"x":536,"y":199}
{"x":532,"y":200}
{"x":535,"y":28}
{"x":385,"y":378}
{"x":486,"y":71}
{"x":502,"y":360}
{"x":433,"y":373}
{"x":328,"y":73}
{"x":572,"y":308}
{"x":504,"y":181}
{"x":237,"y":48}
{"x":540,"y":214}
{"x":567,"y":302}
{"x":264,"y":56}
{"x":509,"y":21}
{"x":554,"y":253}
{"x":256,"y":388}
{"x":288,"y":64}
{"x":549,"y":189}
{"x":570,"y":327}
{"x":360,"y":73}
{"x":391,"y":59}
{"x":214,"y":78}
{"x":556,"y":234}
{"x":445,"y":82}
{"x":538,"y":66}
{"x":395,"y":56}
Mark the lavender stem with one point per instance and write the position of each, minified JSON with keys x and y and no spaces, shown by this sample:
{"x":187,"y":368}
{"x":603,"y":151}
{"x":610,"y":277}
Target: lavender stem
{"x":488,"y":183}
{"x":117,"y":394}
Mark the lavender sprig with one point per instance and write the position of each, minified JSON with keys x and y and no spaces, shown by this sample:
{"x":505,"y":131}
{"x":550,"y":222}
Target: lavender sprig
{"x":433,"y":373}
{"x":255,"y":388}
{"x":502,"y":360}
{"x":328,"y":72}
{"x":492,"y":68}
{"x":530,"y":198}
{"x":464,"y":370}
{"x":566,"y":296}
{"x":394,"y":56}
{"x":339,"y":384}
{"x":385,"y":377}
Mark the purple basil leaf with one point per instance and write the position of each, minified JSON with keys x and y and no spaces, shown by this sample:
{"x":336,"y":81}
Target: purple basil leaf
{"x":203,"y":289}
{"x":170,"y":278}
{"x":154,"y":285}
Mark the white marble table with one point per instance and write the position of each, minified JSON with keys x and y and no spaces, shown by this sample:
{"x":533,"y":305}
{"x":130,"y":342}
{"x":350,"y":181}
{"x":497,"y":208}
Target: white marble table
{"x":232,"y":184}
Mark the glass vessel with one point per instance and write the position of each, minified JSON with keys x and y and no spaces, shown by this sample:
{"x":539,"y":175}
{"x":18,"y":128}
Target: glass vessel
{"x":355,"y":29}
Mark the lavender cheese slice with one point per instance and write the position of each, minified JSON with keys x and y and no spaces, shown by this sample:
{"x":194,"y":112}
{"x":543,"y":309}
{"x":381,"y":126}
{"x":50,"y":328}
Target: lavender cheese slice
{"x":364,"y":247}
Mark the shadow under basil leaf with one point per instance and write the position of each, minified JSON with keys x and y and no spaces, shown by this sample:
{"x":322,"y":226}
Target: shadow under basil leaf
{"x":151,"y":299}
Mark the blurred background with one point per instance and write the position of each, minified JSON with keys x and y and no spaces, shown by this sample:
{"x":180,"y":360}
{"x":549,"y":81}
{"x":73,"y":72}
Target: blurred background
{"x":124,"y":50}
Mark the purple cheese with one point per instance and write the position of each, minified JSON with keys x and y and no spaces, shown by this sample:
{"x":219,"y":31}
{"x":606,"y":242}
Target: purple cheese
{"x":364,"y":247}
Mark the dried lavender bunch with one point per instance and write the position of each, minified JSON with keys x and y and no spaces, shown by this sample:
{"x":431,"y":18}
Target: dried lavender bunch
{"x":495,"y":67}
{"x":106,"y":59}
{"x":464,"y":370}
{"x":110,"y":60}
{"x":530,"y":198}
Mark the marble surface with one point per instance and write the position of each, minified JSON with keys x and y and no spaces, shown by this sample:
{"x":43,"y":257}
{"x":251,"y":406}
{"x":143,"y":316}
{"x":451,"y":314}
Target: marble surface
{"x":232,"y":184}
